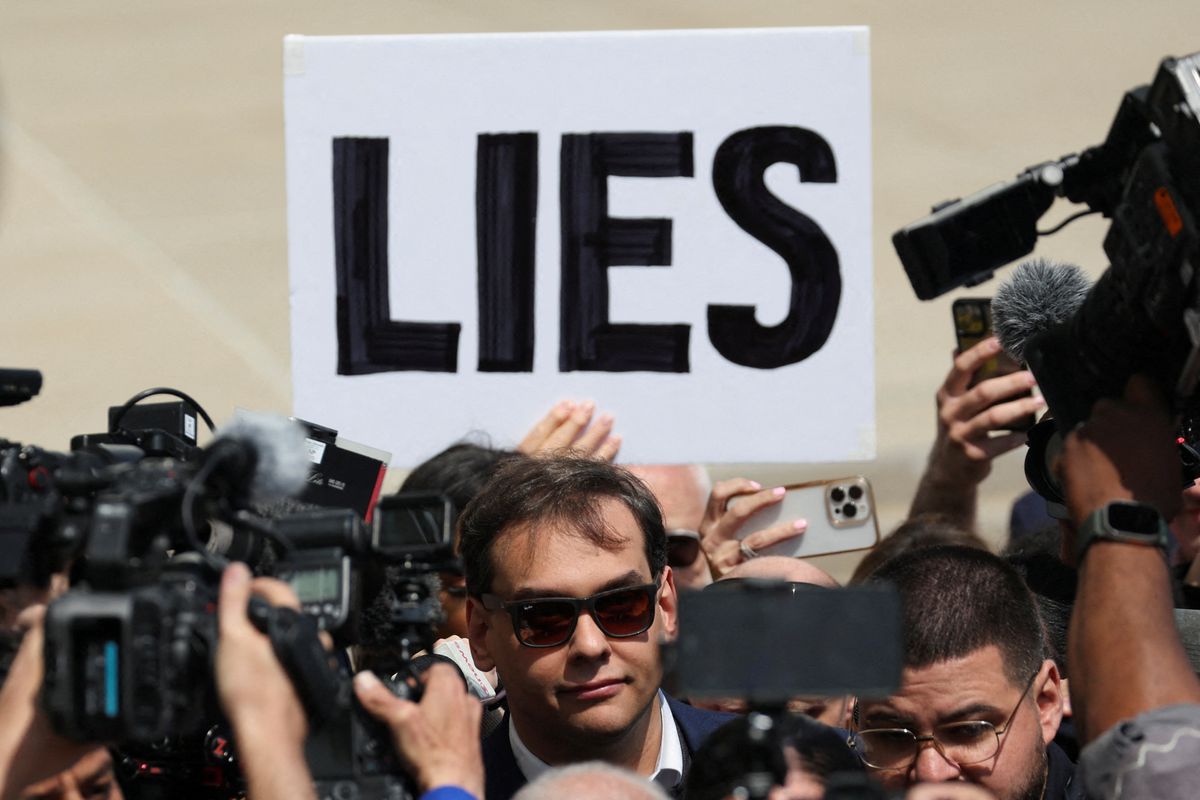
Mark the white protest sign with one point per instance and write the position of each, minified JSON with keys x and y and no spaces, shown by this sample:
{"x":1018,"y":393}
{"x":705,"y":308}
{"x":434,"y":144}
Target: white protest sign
{"x":675,"y":224}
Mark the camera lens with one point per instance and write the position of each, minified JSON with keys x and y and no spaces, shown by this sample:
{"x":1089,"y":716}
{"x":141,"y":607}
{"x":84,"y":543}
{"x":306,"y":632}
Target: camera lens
{"x":849,"y":509}
{"x":837,"y":495}
{"x":856,"y":492}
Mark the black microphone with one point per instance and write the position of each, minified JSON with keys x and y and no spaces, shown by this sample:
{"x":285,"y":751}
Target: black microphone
{"x":19,"y":385}
{"x":1038,"y":295}
{"x":258,"y":458}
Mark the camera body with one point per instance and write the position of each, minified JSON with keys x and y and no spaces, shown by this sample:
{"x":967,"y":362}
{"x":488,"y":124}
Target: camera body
{"x":1143,"y":315}
{"x":333,"y":558}
{"x":133,"y":665}
{"x":129,"y":649}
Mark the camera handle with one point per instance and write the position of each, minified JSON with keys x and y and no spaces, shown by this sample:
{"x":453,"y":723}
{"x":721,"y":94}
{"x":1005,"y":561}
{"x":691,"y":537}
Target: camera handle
{"x":296,"y":644}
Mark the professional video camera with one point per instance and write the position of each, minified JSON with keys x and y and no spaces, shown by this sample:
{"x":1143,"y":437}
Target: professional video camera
{"x":132,"y":512}
{"x":46,"y":498}
{"x":129,"y":645}
{"x":1143,"y":315}
{"x":331,"y":554}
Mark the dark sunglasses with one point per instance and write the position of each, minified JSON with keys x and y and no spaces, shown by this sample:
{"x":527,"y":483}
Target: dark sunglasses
{"x":683,"y":547}
{"x":550,"y":621}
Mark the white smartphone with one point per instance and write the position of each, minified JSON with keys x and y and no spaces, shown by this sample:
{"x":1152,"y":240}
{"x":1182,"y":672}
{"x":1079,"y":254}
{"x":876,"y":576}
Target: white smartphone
{"x":840,"y":513}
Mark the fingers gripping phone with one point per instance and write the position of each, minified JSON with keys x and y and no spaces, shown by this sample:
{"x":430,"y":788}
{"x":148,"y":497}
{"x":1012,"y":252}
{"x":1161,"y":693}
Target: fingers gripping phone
{"x":840,"y":514}
{"x":973,"y":324}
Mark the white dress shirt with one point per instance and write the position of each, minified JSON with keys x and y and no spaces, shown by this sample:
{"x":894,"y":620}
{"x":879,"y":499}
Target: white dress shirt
{"x":668,"y":770}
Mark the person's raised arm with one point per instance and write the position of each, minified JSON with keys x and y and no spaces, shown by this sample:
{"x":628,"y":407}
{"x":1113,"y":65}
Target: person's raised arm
{"x":964,"y":448}
{"x":30,"y":750}
{"x":1125,"y":654}
{"x":268,"y":720}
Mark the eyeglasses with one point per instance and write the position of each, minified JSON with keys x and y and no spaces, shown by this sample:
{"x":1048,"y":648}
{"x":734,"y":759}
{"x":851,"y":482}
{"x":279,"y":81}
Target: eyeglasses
{"x":550,"y":621}
{"x":963,"y":743}
{"x":682,"y":547}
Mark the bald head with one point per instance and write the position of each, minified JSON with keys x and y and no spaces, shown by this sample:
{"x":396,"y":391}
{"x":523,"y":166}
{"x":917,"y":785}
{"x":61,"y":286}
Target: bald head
{"x":782,"y":568}
{"x":681,"y":490}
{"x":682,"y":493}
{"x":591,"y":780}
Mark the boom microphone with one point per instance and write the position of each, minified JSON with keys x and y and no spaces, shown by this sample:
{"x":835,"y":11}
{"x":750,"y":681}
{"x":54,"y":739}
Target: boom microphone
{"x":1038,"y":295}
{"x":260,"y":457}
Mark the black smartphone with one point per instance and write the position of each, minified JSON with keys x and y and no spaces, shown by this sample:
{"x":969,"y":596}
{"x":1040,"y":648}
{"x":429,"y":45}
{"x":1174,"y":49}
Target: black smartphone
{"x":973,"y":324}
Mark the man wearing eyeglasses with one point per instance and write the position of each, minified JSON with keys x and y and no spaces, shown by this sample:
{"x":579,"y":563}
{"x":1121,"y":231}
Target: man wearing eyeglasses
{"x":569,"y":596}
{"x":979,"y":701}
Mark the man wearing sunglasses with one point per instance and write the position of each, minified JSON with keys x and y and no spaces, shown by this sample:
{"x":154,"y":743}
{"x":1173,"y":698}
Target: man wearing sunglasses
{"x":569,"y":595}
{"x":978,"y":700}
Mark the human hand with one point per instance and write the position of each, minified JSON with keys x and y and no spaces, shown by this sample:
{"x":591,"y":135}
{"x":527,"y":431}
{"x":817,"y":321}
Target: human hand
{"x":967,"y":415}
{"x":964,"y":447}
{"x":438,"y":738}
{"x":724,"y":518}
{"x":254,"y":689}
{"x":30,"y":751}
{"x":569,"y":425}
{"x":1125,"y":451}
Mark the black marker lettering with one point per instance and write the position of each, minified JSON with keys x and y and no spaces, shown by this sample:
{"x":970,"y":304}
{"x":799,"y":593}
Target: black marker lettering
{"x":738,"y":170}
{"x":368,"y":339}
{"x":506,"y":183}
{"x":592,"y":242}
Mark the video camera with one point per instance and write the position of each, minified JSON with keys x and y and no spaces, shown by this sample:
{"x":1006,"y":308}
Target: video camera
{"x":1143,"y":315}
{"x":47,"y":499}
{"x":129,"y":648}
{"x":332,"y":555}
{"x":132,"y":514}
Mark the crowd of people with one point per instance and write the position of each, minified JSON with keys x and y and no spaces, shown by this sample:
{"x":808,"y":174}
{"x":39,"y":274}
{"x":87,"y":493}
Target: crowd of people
{"x":1052,"y":670}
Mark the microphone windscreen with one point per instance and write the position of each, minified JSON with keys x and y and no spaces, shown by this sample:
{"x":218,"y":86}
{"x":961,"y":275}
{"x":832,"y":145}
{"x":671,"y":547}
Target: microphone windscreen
{"x":279,"y":450}
{"x":1037,"y":295}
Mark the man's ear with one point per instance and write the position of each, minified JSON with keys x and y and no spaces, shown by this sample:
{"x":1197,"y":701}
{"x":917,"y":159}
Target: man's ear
{"x":478,"y":624}
{"x":668,"y":605}
{"x":1048,"y":694}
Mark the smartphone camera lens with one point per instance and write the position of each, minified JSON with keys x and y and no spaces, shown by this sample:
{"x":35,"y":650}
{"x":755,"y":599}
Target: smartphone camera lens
{"x":856,"y":492}
{"x":849,"y":509}
{"x":837,"y":495}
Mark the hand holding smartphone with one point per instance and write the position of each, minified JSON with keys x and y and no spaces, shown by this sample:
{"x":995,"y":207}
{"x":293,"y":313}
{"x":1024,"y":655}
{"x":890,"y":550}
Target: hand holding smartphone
{"x":840,"y":516}
{"x":973,"y":324}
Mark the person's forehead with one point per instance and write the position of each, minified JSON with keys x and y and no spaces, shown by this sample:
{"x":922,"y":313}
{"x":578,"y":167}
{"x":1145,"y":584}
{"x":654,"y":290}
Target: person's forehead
{"x":940,"y":690}
{"x":558,"y":554}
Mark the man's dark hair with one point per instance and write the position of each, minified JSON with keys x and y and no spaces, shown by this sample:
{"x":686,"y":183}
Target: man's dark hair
{"x":923,"y":530}
{"x":460,"y":471}
{"x":1035,"y":558}
{"x":959,"y":599}
{"x":564,"y":490}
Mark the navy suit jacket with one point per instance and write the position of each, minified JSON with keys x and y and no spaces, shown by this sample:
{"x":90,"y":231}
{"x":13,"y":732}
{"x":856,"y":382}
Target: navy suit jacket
{"x":503,"y":778}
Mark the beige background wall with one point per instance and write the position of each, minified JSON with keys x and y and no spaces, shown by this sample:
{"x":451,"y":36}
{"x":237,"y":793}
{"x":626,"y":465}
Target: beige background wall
{"x":142,"y":237}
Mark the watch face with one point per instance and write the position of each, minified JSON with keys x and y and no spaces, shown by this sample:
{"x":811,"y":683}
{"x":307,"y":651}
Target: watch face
{"x":1133,"y":518}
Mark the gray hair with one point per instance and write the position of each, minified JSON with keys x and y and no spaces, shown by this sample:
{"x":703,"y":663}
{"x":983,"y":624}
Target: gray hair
{"x":591,"y":780}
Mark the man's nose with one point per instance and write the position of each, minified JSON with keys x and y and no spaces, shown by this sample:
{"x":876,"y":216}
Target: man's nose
{"x":931,"y":766}
{"x":588,"y":641}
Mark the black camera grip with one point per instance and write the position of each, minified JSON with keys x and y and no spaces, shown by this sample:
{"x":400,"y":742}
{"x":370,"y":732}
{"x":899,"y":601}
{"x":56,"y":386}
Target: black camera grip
{"x":297,"y":646}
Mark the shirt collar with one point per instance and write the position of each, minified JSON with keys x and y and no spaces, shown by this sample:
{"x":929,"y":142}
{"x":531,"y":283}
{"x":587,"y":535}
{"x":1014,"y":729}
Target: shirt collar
{"x":668,"y":770}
